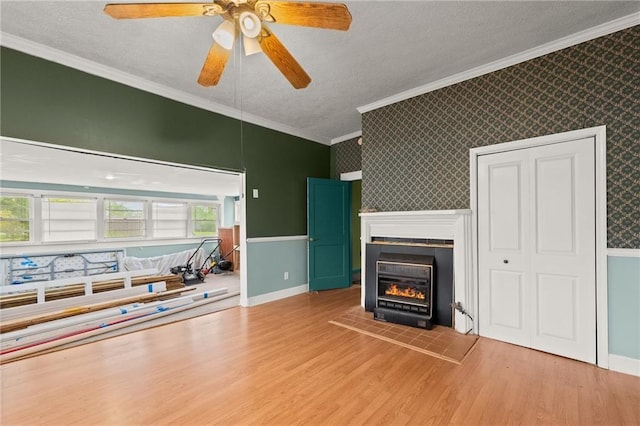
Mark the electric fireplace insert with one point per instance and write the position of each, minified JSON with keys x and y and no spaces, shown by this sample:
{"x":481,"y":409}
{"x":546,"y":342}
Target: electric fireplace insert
{"x":405,"y":289}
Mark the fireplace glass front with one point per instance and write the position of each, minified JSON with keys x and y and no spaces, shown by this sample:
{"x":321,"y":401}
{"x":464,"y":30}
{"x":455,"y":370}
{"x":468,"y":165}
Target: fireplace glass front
{"x":405,"y":289}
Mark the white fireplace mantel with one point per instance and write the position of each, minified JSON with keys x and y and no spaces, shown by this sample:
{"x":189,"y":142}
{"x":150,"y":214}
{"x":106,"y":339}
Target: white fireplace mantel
{"x":434,"y":224}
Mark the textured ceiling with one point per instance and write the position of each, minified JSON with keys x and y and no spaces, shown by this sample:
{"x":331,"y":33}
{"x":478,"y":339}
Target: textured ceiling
{"x":391,"y":47}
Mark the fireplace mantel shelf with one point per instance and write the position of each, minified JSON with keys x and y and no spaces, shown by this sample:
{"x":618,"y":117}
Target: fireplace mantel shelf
{"x":417,"y":213}
{"x":436,"y":224}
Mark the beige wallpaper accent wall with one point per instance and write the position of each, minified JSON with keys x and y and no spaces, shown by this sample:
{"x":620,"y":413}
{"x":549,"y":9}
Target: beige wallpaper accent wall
{"x":415,"y":154}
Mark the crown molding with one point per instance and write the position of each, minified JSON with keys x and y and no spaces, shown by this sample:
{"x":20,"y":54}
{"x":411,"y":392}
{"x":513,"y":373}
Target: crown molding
{"x":562,"y":43}
{"x":346,"y":137}
{"x":110,"y":73}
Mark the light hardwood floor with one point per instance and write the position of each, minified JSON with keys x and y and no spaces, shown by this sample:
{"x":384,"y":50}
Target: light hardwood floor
{"x":282,"y":363}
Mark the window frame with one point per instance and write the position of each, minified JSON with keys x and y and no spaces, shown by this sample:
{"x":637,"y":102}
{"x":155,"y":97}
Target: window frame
{"x":101,"y":241}
{"x":33,"y":228}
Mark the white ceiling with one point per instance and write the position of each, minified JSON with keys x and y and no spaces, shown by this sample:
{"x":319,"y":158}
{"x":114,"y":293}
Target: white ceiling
{"x":27,"y":162}
{"x":391,"y":47}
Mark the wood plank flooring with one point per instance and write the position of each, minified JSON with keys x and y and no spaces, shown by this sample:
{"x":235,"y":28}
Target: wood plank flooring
{"x":282,"y":363}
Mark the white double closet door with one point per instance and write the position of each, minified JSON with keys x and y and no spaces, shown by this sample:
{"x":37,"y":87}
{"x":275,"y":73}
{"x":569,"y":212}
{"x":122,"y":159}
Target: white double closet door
{"x":536,"y":248}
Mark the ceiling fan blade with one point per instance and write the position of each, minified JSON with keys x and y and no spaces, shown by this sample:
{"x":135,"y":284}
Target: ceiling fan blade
{"x":161,"y":10}
{"x":283,"y":60}
{"x":333,"y":16}
{"x":214,"y":65}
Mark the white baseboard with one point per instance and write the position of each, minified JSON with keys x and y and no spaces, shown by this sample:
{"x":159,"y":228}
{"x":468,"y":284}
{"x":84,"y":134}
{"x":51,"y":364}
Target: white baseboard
{"x":622,"y":364}
{"x":277,"y":295}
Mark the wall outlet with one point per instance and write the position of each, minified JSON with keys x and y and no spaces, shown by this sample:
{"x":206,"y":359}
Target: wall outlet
{"x":286,"y":275}
{"x":255,"y":193}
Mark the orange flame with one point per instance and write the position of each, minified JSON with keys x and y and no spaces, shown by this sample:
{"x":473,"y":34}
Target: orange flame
{"x":410,"y":292}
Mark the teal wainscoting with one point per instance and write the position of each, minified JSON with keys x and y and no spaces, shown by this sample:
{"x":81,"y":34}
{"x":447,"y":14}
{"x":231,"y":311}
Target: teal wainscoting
{"x":267,"y":261}
{"x":624,"y":306}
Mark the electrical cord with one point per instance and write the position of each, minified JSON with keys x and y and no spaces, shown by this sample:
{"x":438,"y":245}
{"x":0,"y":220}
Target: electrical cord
{"x":458,"y":307}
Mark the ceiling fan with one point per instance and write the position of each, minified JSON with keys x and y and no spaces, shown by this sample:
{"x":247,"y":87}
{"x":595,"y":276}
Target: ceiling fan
{"x":246,"y":18}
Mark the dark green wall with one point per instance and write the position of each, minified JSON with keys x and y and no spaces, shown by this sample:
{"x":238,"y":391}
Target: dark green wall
{"x":278,"y":165}
{"x":48,"y":102}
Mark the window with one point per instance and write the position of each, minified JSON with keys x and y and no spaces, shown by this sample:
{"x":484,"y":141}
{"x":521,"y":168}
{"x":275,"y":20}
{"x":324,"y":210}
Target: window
{"x":15,"y":218}
{"x":124,"y":219}
{"x":68,"y":219}
{"x":169,"y":219}
{"x":204,"y":219}
{"x":34,"y":218}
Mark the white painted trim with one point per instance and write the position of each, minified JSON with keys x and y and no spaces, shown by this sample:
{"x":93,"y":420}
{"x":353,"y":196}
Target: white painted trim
{"x":97,"y":69}
{"x":623,"y":364}
{"x":276,"y":239}
{"x":599,"y":134}
{"x":351,"y":176}
{"x":346,"y":137}
{"x":277,"y":295}
{"x":623,"y":252}
{"x":602,"y":285}
{"x":244,"y":283}
{"x":577,"y":38}
{"x":410,"y":214}
{"x":473,"y":174}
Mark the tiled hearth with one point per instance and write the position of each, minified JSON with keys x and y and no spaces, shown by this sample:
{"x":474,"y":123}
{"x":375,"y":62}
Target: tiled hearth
{"x":430,"y":224}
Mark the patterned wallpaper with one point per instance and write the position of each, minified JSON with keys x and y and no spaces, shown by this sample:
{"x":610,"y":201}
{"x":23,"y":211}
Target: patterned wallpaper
{"x":347,"y":156}
{"x":415,"y":154}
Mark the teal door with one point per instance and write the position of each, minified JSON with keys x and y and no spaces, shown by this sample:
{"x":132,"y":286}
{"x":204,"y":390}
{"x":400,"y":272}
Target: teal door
{"x":329,"y":232}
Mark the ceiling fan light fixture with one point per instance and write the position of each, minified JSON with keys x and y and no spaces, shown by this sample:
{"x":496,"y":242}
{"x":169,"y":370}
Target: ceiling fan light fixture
{"x":225,"y":34}
{"x":251,"y":45}
{"x":247,"y":17}
{"x":250,"y":24}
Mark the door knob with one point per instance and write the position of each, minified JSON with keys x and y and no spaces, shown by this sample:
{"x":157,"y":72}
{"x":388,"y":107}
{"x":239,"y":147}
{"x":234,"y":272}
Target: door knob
{"x":311,"y":239}
{"x":505,"y":261}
